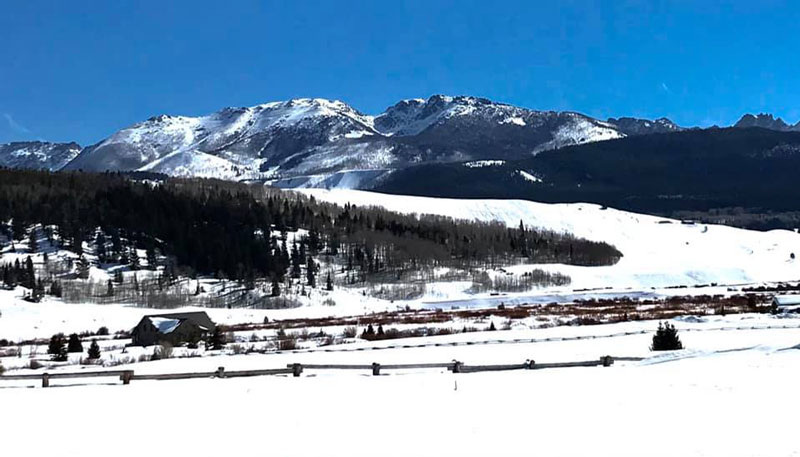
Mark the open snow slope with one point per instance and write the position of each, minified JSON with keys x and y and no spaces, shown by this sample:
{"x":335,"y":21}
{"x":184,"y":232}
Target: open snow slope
{"x":692,"y":400}
{"x":658,"y":252}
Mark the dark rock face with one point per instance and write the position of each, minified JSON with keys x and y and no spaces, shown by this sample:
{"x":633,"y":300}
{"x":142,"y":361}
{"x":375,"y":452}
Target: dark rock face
{"x":37,"y":154}
{"x":766,"y":121}
{"x":631,"y":126}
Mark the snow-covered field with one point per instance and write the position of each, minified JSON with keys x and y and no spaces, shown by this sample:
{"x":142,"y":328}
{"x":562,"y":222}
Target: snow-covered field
{"x":727,"y":394}
{"x":658,"y":252}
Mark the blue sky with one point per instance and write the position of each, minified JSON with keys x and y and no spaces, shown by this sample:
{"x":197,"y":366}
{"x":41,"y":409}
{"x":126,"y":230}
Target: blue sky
{"x":82,"y":70}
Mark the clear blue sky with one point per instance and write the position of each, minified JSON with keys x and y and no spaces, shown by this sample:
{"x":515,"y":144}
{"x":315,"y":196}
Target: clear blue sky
{"x":84,"y":69}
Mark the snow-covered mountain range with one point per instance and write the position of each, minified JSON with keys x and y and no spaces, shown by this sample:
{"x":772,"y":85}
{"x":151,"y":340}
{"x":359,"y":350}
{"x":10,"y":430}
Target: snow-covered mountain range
{"x":325,"y":143}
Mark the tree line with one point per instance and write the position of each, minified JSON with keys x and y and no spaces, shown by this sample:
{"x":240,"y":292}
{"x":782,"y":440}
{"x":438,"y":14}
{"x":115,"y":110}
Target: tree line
{"x":241,"y":231}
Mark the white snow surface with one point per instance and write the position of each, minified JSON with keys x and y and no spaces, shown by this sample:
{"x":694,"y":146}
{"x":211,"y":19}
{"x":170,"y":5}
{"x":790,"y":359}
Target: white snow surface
{"x":692,"y":400}
{"x":657,"y":252}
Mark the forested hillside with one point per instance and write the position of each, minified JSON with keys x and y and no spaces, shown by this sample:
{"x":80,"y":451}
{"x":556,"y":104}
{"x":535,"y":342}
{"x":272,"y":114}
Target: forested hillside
{"x":244,"y":232}
{"x":737,"y":171}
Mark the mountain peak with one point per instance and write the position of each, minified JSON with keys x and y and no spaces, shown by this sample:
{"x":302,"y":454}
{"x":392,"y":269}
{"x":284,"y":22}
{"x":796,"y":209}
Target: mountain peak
{"x":763,"y":120}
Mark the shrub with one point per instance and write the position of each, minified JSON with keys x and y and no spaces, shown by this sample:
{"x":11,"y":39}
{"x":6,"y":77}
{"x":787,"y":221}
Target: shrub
{"x":287,"y":344}
{"x":163,"y":351}
{"x":102,"y":331}
{"x":34,"y":364}
{"x":350,"y":332}
{"x":2,"y":369}
{"x":666,"y":338}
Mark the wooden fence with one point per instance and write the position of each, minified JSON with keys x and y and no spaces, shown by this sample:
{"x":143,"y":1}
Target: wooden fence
{"x":296,"y":369}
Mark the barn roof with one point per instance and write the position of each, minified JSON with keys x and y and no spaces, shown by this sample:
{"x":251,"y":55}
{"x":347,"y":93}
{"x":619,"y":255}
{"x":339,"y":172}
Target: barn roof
{"x":787,"y":300}
{"x":166,"y":323}
{"x":163,"y":324}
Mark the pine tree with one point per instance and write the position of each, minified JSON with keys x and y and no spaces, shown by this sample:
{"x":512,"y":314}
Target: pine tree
{"x":100,"y":247}
{"x":217,"y":340}
{"x":329,"y":283}
{"x":57,"y":348}
{"x":30,"y":276}
{"x":152,"y":259}
{"x":369,"y":332}
{"x":295,"y":262}
{"x":33,"y":244}
{"x":83,"y":268}
{"x":74,"y":344}
{"x":666,"y":338}
{"x":276,"y":288}
{"x":311,"y":271}
{"x":492,"y":327}
{"x":55,"y":289}
{"x":94,"y":350}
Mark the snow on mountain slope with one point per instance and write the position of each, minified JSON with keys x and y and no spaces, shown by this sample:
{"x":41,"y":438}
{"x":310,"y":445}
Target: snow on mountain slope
{"x":658,"y":252}
{"x":37,"y":155}
{"x":272,"y":131}
{"x":412,"y":117}
{"x":311,"y":137}
{"x":578,"y":130}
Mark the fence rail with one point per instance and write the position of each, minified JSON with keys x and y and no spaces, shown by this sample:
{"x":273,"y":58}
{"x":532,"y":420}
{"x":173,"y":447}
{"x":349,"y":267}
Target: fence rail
{"x":296,"y":369}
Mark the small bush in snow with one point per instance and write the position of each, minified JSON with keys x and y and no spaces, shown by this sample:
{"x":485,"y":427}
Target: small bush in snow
{"x":666,"y":338}
{"x":163,"y":351}
{"x":287,"y":344}
{"x":350,"y":332}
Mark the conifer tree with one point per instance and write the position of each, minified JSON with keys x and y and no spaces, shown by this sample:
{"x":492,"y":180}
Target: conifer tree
{"x":329,"y":282}
{"x":666,"y":338}
{"x":33,"y":244}
{"x":30,"y":276}
{"x":94,"y":350}
{"x":311,"y":272}
{"x":100,"y":247}
{"x":55,"y":289}
{"x":217,"y":339}
{"x":276,"y":288}
{"x":57,"y":348}
{"x":74,"y":344}
{"x":83,"y":268}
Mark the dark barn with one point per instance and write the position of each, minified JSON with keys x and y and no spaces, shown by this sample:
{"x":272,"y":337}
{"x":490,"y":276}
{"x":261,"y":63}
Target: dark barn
{"x":173,"y":328}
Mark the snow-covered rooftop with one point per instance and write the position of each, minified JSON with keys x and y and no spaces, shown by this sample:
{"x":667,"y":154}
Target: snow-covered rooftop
{"x":165,"y":325}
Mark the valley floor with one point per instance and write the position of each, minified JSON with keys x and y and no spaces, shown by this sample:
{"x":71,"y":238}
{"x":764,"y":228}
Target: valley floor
{"x":727,"y":394}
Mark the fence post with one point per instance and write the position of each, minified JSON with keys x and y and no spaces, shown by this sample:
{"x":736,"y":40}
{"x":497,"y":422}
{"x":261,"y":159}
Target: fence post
{"x":126,"y":377}
{"x":220,"y":372}
{"x":457,"y":367}
{"x":376,"y":369}
{"x":607,"y":360}
{"x":45,"y":380}
{"x":296,"y":370}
